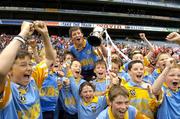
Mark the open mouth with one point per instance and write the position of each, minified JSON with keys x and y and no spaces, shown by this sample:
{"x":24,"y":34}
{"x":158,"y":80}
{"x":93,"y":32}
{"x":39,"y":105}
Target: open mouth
{"x":139,"y":76}
{"x":78,"y":39}
{"x":175,"y":83}
{"x":88,"y":98}
{"x":77,"y":72}
{"x":122,"y":112}
{"x":26,"y":76}
{"x":100,"y":73}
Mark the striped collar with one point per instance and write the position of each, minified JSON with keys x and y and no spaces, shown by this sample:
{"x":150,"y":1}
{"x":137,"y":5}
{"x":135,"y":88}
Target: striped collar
{"x":83,"y":45}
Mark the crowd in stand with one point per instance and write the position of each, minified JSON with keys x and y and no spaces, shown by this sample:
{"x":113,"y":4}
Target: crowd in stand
{"x":44,"y":77}
{"x":62,"y":44}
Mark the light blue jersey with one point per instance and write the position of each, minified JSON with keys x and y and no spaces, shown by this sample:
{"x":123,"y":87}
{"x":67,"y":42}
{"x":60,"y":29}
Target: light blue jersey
{"x":148,"y":78}
{"x":24,"y":103}
{"x":67,"y":99}
{"x":27,"y":100}
{"x":170,"y":107}
{"x":9,"y":111}
{"x":101,"y":86}
{"x":90,"y":110}
{"x":49,"y":93}
{"x":106,"y":113}
{"x":156,"y":73}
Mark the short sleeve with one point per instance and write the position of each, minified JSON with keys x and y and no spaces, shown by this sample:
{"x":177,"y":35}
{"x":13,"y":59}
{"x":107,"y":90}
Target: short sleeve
{"x":6,"y":95}
{"x":40,"y":72}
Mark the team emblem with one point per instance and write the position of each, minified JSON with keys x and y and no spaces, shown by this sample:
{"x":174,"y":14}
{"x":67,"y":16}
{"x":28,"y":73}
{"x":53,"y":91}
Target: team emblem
{"x":132,"y":92}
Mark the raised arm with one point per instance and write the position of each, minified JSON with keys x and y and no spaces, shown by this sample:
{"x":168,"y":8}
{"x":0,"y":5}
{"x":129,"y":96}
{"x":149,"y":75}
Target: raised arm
{"x":103,"y":49}
{"x":32,"y":43}
{"x":8,"y":55}
{"x":156,"y":87}
{"x":174,"y":36}
{"x":151,"y":52}
{"x":41,"y":28}
{"x":143,"y":37}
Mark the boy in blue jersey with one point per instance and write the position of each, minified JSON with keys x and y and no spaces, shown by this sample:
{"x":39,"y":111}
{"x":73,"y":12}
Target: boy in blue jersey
{"x":101,"y":82}
{"x":84,"y":52}
{"x":138,"y":55}
{"x":88,"y":105}
{"x":20,"y":92}
{"x":49,"y":93}
{"x":119,"y":107}
{"x":141,"y":96}
{"x":147,"y":77}
{"x":66,"y":97}
{"x":167,"y":87}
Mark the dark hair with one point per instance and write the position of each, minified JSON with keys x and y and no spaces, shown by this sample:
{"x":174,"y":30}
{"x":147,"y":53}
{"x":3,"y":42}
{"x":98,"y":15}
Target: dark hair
{"x":67,"y":52}
{"x":86,"y":84}
{"x":73,"y":29}
{"x":22,"y":54}
{"x":117,"y":90}
{"x":134,"y":62}
{"x":102,"y":62}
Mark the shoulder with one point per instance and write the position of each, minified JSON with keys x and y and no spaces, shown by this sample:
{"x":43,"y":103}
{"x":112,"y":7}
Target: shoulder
{"x":132,"y":111}
{"x":132,"y":108}
{"x":103,"y":114}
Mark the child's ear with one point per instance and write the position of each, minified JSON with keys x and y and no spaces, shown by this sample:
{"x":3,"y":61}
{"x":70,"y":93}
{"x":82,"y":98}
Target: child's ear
{"x":109,"y":103}
{"x":10,"y":73}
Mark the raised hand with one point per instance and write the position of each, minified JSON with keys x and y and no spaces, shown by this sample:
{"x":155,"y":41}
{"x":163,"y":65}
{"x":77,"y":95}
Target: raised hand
{"x":114,"y":78}
{"x":170,"y":62}
{"x":174,"y":36}
{"x":27,"y":29}
{"x":66,"y":82}
{"x":142,"y":36}
{"x":41,"y":27}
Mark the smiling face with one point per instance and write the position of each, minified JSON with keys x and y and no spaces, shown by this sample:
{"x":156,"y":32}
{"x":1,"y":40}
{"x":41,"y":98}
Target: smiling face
{"x":76,"y":69}
{"x":100,"y":70}
{"x":77,"y":37}
{"x":137,"y":72}
{"x":119,"y":106}
{"x":87,"y":93}
{"x":173,"y":79}
{"x":21,"y":70}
